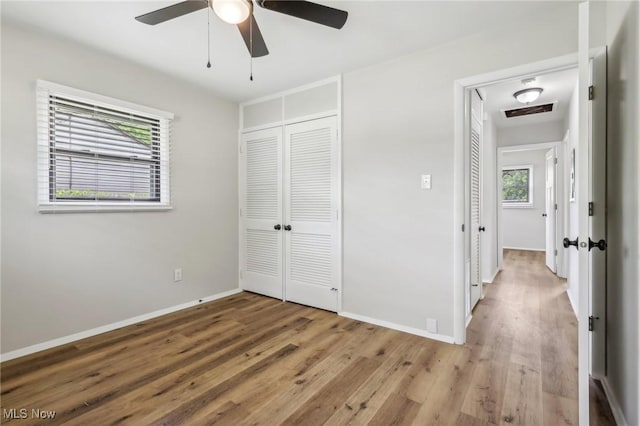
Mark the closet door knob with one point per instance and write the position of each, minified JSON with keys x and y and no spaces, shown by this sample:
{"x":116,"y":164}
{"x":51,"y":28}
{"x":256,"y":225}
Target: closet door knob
{"x":277,"y":227}
{"x":481,"y":229}
{"x":287,"y":227}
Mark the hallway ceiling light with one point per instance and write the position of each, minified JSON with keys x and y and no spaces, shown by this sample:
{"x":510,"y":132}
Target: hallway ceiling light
{"x":526,"y":96}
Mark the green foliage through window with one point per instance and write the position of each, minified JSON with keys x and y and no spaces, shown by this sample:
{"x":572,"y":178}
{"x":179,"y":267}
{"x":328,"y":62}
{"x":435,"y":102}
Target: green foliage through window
{"x":515,"y":185}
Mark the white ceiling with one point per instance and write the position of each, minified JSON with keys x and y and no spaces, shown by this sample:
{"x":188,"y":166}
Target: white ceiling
{"x":300,"y":51}
{"x":557,"y":87}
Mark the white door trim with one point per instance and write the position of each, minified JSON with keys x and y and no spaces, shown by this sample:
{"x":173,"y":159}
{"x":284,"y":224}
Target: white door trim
{"x":460,"y":89}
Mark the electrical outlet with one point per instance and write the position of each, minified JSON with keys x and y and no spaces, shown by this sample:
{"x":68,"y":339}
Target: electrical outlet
{"x":432,"y":325}
{"x":177,"y":275}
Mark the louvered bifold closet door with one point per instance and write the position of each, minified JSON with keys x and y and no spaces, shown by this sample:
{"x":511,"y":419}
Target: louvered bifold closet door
{"x":476,"y":205}
{"x":261,"y":212}
{"x":311,"y":210}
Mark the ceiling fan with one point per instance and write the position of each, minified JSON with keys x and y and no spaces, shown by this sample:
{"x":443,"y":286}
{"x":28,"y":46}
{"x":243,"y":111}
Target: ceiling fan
{"x":238,"y":12}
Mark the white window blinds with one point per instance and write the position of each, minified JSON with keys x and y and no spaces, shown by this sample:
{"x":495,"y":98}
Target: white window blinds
{"x":98,"y":153}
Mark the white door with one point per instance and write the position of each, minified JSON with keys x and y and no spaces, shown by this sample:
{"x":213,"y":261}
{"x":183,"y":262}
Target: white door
{"x":476,"y":227}
{"x":590,"y":180}
{"x":550,"y":209}
{"x":597,"y":212}
{"x":261,"y":212}
{"x":311,"y":213}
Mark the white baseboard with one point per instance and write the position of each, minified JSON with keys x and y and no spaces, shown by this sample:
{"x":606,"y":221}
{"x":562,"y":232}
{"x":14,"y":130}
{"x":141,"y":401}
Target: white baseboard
{"x":492,"y":278}
{"x":573,"y":303}
{"x":394,"y":326}
{"x":110,"y":327}
{"x":522,"y":248}
{"x":618,"y":414}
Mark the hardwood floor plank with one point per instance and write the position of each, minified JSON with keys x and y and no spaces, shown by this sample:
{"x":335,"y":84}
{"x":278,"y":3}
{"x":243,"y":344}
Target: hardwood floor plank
{"x":484,"y":398}
{"x":190,"y":378}
{"x":325,"y":402}
{"x":523,"y":396}
{"x":559,"y":411}
{"x":185,"y":412}
{"x":397,"y":410}
{"x":363,"y":404}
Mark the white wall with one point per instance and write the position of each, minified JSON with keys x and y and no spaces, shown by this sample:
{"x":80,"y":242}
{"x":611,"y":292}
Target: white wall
{"x":623,"y":197}
{"x":524,"y":227}
{"x":552,"y":131}
{"x":66,"y":273}
{"x":398,"y":124}
{"x":489,"y":202}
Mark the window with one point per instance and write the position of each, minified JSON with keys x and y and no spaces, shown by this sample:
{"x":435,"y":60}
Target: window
{"x":98,"y":153}
{"x":517,"y":186}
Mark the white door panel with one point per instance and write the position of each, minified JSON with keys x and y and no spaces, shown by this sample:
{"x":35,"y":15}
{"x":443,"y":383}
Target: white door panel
{"x":591,"y":184}
{"x":261,"y":210}
{"x":550,"y":209}
{"x":311,"y":211}
{"x":598,"y":218}
{"x":475,"y":290}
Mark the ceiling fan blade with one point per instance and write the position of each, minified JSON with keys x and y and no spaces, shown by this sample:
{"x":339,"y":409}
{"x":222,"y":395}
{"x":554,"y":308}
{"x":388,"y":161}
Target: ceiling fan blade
{"x":173,"y":11}
{"x":313,"y":12}
{"x":259,"y":46}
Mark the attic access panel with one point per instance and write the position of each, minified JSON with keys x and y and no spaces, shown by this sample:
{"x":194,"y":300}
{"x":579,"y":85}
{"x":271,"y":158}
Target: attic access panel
{"x":519,"y":112}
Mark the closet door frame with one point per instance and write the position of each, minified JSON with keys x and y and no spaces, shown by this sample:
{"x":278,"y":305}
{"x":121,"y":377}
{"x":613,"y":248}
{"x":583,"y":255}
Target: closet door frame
{"x":281,"y":100}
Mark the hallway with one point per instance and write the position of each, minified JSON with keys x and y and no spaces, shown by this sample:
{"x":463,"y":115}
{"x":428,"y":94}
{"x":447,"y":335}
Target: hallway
{"x":527,"y":369}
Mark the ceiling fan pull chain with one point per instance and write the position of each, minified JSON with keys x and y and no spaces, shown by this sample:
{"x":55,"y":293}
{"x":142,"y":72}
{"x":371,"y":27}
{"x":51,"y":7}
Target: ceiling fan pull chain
{"x":208,"y":37}
{"x":251,"y":45}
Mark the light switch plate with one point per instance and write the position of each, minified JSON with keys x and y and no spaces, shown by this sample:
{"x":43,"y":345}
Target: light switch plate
{"x":426,"y":182}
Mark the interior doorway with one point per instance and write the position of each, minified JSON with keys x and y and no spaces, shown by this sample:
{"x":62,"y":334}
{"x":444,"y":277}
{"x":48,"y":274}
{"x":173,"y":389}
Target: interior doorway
{"x":531,"y":205}
{"x":580,"y":126}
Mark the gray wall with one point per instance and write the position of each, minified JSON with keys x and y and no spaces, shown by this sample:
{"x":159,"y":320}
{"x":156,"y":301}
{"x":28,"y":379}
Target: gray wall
{"x":524,"y":227}
{"x":623,"y":255}
{"x":552,"y":131}
{"x":398,"y":124}
{"x":66,"y":273}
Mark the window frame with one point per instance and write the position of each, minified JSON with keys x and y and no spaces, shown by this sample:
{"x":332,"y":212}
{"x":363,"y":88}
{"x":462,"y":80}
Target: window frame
{"x":45,"y":89}
{"x":518,"y":204}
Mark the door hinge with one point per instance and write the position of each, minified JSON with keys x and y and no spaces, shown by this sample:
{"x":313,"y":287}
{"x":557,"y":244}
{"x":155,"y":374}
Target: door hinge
{"x":555,"y":160}
{"x":463,"y":227}
{"x":591,"y":318}
{"x":240,"y":148}
{"x":556,"y":206}
{"x":556,"y":252}
{"x":590,"y":208}
{"x":591,"y":95}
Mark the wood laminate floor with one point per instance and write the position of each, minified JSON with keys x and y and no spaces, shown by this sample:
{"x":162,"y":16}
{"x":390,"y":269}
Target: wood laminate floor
{"x":248,"y":359}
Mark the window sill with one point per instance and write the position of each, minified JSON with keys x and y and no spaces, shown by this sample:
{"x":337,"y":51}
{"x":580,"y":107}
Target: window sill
{"x":101,"y":208}
{"x":518,"y":206}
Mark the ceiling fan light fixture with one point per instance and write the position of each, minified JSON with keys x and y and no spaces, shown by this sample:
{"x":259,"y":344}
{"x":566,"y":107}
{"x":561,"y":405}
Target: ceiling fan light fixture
{"x":526,"y":96}
{"x":232,"y":11}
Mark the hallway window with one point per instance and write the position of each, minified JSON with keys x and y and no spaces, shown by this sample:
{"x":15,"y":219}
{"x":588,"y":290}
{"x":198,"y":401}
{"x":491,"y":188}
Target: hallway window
{"x":517,"y":186}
